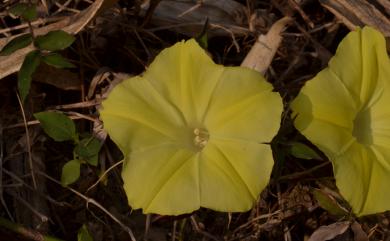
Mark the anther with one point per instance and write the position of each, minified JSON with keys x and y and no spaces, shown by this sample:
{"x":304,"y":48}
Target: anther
{"x":201,"y":137}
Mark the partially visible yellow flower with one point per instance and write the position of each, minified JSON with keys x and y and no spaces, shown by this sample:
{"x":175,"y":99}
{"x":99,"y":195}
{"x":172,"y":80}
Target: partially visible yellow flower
{"x":345,"y":111}
{"x":193,"y":133}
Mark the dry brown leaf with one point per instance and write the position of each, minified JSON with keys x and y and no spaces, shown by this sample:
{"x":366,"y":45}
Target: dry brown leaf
{"x":329,"y":232}
{"x":358,"y":233}
{"x":98,"y":129}
{"x":296,"y":200}
{"x":72,"y":24}
{"x":263,"y":51}
{"x":101,"y":75}
{"x":188,"y":16}
{"x":61,"y":78}
{"x":356,"y":13}
{"x":386,"y":5}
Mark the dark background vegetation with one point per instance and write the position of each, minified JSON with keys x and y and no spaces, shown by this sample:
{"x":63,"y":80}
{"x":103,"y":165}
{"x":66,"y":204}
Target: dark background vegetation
{"x":123,"y":38}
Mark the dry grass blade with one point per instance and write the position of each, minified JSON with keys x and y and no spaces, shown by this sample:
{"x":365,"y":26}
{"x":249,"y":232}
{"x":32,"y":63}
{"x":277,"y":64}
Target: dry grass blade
{"x":329,"y":232}
{"x":61,"y":78}
{"x":263,"y":51}
{"x":359,"y":234}
{"x":28,"y":143}
{"x":72,"y":24}
{"x":187,"y":17}
{"x":355,"y":13}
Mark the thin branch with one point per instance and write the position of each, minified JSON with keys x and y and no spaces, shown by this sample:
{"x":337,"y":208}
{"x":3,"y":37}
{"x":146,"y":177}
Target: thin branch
{"x":104,"y":174}
{"x":303,"y":173}
{"x":28,"y":143}
{"x":199,"y":230}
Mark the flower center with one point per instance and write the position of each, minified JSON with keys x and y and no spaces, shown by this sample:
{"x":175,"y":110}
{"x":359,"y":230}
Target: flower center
{"x":362,"y":127}
{"x":201,"y":137}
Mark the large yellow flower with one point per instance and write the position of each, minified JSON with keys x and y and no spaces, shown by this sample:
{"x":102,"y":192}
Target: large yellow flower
{"x":193,"y":133}
{"x":345,"y":111}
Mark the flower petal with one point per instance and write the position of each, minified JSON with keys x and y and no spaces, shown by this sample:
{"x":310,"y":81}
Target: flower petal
{"x":243,"y":106}
{"x":187,"y":76}
{"x":138,"y":116}
{"x":233,"y":173}
{"x":344,"y":111}
{"x":162,"y":180}
{"x":356,"y":65}
{"x":173,"y":162}
{"x":324,"y":112}
{"x":360,"y":178}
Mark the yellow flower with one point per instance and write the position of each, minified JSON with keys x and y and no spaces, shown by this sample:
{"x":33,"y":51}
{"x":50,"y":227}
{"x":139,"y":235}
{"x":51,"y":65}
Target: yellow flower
{"x":345,"y":111}
{"x":193,"y":133}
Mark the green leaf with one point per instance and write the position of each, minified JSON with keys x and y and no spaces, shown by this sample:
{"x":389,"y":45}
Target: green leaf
{"x":329,"y":203}
{"x":30,"y":14}
{"x":56,"y":60}
{"x":202,"y":38}
{"x":49,"y":238}
{"x":54,"y":40}
{"x":83,"y":234}
{"x":57,"y":125}
{"x":300,"y":150}
{"x":24,"y":10}
{"x":70,"y":172}
{"x":30,"y":63}
{"x":203,"y":41}
{"x":88,"y":149}
{"x":18,"y":9}
{"x":15,"y":44}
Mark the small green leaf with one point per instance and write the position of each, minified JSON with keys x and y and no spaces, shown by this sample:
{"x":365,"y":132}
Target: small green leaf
{"x":18,"y":9}
{"x":329,"y":203}
{"x":70,"y":172}
{"x":24,"y":10}
{"x":56,"y":60}
{"x":54,"y":40}
{"x":83,"y":234}
{"x":88,"y":149}
{"x":57,"y":125}
{"x":30,"y":63}
{"x":16,"y":43}
{"x":30,"y":14}
{"x":202,"y":38}
{"x":203,"y":41}
{"x":300,"y":150}
{"x":49,"y":238}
